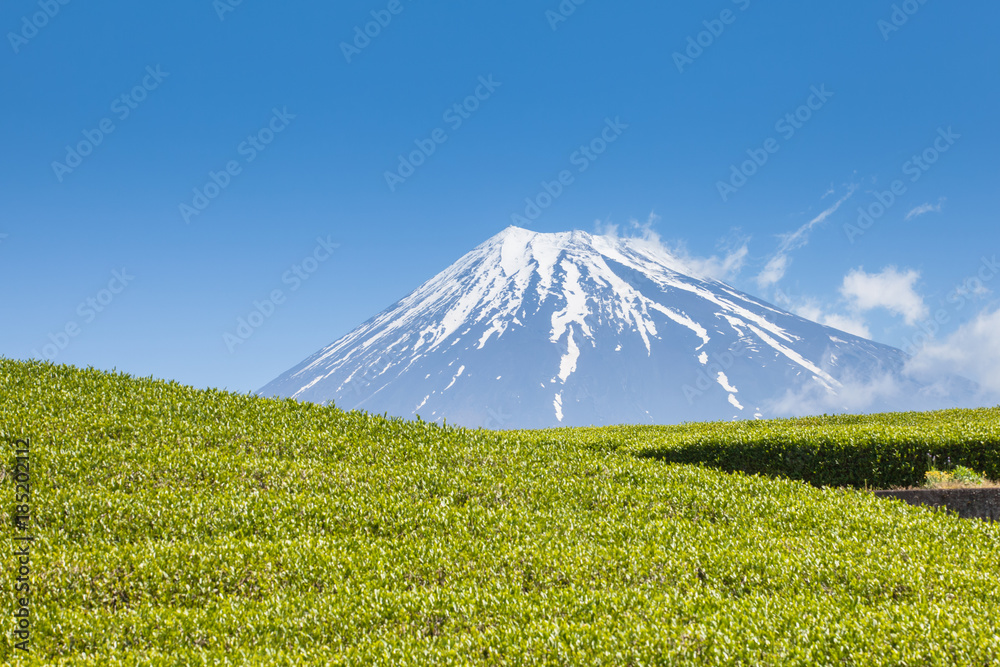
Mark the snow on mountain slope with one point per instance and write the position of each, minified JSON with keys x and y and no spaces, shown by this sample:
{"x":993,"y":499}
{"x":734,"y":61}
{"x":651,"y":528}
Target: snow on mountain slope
{"x":536,"y":330}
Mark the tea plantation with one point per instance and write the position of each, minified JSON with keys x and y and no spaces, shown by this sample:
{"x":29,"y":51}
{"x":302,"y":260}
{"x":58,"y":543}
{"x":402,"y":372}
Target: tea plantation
{"x":178,"y":526}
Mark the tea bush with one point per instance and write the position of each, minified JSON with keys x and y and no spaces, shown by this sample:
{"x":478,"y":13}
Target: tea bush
{"x":177,"y":526}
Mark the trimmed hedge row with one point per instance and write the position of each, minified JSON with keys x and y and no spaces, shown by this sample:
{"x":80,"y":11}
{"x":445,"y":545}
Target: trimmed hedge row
{"x":884,"y":451}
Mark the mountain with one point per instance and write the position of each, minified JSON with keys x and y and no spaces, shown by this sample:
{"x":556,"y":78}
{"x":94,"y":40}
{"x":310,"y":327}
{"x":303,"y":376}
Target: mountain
{"x":533,"y":330}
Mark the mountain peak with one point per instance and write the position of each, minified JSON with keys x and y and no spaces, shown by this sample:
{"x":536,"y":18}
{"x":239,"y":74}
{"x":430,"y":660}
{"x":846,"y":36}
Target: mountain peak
{"x":533,"y":329}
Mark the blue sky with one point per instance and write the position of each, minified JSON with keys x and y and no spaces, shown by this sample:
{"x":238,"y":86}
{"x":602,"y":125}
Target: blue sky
{"x":291,"y":121}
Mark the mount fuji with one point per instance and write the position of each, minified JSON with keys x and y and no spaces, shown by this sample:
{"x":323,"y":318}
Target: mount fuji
{"x":536,"y":330}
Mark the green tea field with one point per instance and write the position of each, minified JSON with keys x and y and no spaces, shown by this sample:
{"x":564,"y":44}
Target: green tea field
{"x":174,"y":526}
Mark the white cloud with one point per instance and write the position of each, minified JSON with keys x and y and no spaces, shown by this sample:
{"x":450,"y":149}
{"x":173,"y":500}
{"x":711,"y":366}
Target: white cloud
{"x":777,"y":266}
{"x":890,"y":289}
{"x":812,"y":310}
{"x":849,"y":323}
{"x":962,"y":372}
{"x":882,"y":392}
{"x":973,"y":351}
{"x":925,"y":208}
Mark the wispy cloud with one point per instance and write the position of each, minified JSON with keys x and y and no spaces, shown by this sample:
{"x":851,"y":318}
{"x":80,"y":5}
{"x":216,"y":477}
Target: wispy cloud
{"x":777,"y":266}
{"x":634,"y":229}
{"x":774,"y":270}
{"x":645,"y":229}
{"x":724,"y":267}
{"x":602,"y":228}
{"x":925,"y":208}
{"x":732,"y":257}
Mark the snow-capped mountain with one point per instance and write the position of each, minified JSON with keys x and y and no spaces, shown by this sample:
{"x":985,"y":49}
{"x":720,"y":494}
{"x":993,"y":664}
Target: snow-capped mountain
{"x":533,"y":330}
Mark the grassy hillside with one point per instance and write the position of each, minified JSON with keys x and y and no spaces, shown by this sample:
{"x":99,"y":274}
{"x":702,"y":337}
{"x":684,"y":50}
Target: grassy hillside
{"x":176,"y":526}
